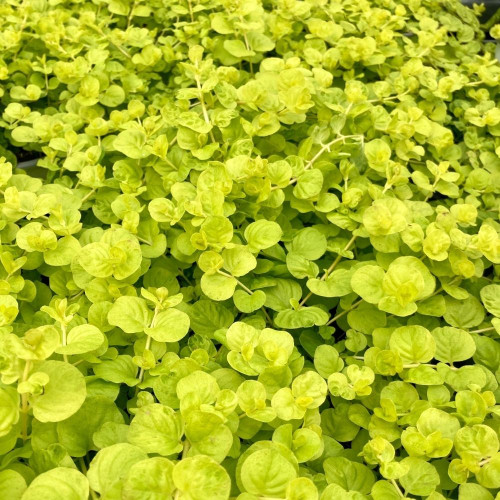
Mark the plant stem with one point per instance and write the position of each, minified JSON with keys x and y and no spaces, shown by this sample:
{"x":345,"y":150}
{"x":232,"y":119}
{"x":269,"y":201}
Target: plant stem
{"x":24,"y":402}
{"x":203,"y":106}
{"x":238,"y":282}
{"x":440,"y":289}
{"x":118,"y":47}
{"x":131,"y":14}
{"x":185,"y":449}
{"x":147,"y":346}
{"x":398,"y":489}
{"x":227,"y":275}
{"x":343,"y":313}
{"x":190,"y":7}
{"x":330,"y":269}
{"x":64,"y":340}
{"x":489,"y":329}
{"x":325,"y":147}
{"x":142,"y":240}
{"x":83,"y":467}
{"x":88,"y":195}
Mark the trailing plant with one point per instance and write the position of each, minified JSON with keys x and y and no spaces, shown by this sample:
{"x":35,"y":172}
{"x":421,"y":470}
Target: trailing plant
{"x":258,"y":255}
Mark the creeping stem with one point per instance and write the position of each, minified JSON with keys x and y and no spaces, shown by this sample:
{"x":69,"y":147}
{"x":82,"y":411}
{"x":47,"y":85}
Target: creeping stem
{"x":64,"y":340}
{"x":24,"y":402}
{"x":330,"y":269}
{"x":148,"y":343}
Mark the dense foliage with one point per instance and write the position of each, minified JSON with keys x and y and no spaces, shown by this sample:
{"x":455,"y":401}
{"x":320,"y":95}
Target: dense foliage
{"x":258,"y":257}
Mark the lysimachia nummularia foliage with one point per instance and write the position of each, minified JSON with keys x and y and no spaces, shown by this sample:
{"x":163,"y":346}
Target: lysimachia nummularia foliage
{"x":257,"y":258}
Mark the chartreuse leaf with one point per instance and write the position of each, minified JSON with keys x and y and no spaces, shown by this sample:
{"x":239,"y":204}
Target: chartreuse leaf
{"x":12,"y":484}
{"x":82,"y":339}
{"x":351,"y":476}
{"x":267,"y":473}
{"x":111,"y":465}
{"x":169,"y":326}
{"x":249,"y":251}
{"x":59,"y":483}
{"x":453,"y":344}
{"x":150,"y":478}
{"x":262,"y":234}
{"x":131,"y":314}
{"x":422,"y":477}
{"x":156,"y":428}
{"x":9,"y":409}
{"x":76,"y":433}
{"x":63,"y":394}
{"x":247,"y":303}
{"x":414,"y":344}
{"x":120,"y":370}
{"x":201,"y":477}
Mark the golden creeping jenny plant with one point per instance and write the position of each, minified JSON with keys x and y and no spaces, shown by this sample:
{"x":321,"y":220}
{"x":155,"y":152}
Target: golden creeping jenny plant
{"x":258,"y":258}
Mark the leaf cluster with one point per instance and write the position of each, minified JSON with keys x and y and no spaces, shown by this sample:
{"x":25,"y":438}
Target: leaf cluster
{"x":259,"y":256}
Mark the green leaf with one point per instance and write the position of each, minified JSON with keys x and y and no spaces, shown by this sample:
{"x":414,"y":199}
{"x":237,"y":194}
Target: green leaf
{"x":490,"y":296}
{"x":62,"y":396}
{"x":9,"y":409}
{"x":82,"y":339}
{"x":218,"y":287}
{"x":367,"y":283}
{"x":149,"y":479}
{"x":76,"y":433}
{"x":8,"y":309}
{"x":237,"y":48}
{"x":119,"y":370}
{"x":453,"y":344}
{"x":12,"y":484}
{"x":132,"y":143}
{"x":207,"y":317}
{"x":414,"y":344}
{"x":267,"y":473}
{"x":327,"y":360}
{"x":248,"y":303}
{"x":477,"y":442}
{"x":156,"y":429}
{"x":302,"y":318}
{"x":377,"y":153}
{"x":422,"y":477}
{"x":170,"y":326}
{"x":238,"y":261}
{"x":111,"y":465}
{"x":472,"y":490}
{"x":262,"y":234}
{"x":131,"y":314}
{"x":61,"y":483}
{"x":309,"y":243}
{"x":351,"y":476}
{"x":201,"y":478}
{"x":337,"y":284}
{"x":64,"y":253}
{"x":464,"y":313}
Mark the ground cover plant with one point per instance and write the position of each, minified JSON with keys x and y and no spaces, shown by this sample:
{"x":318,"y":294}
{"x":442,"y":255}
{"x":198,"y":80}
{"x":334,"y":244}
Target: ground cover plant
{"x":258,"y":256}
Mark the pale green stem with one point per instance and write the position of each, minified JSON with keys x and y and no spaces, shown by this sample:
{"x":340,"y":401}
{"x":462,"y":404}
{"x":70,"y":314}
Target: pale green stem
{"x":88,"y":195}
{"x":148,"y":344}
{"x":398,"y":489}
{"x":64,"y":340}
{"x":489,"y":329}
{"x":24,"y":402}
{"x":185,"y":449}
{"x":325,"y":147}
{"x":203,"y":106}
{"x":343,"y":313}
{"x":330,"y":269}
{"x":266,"y":314}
